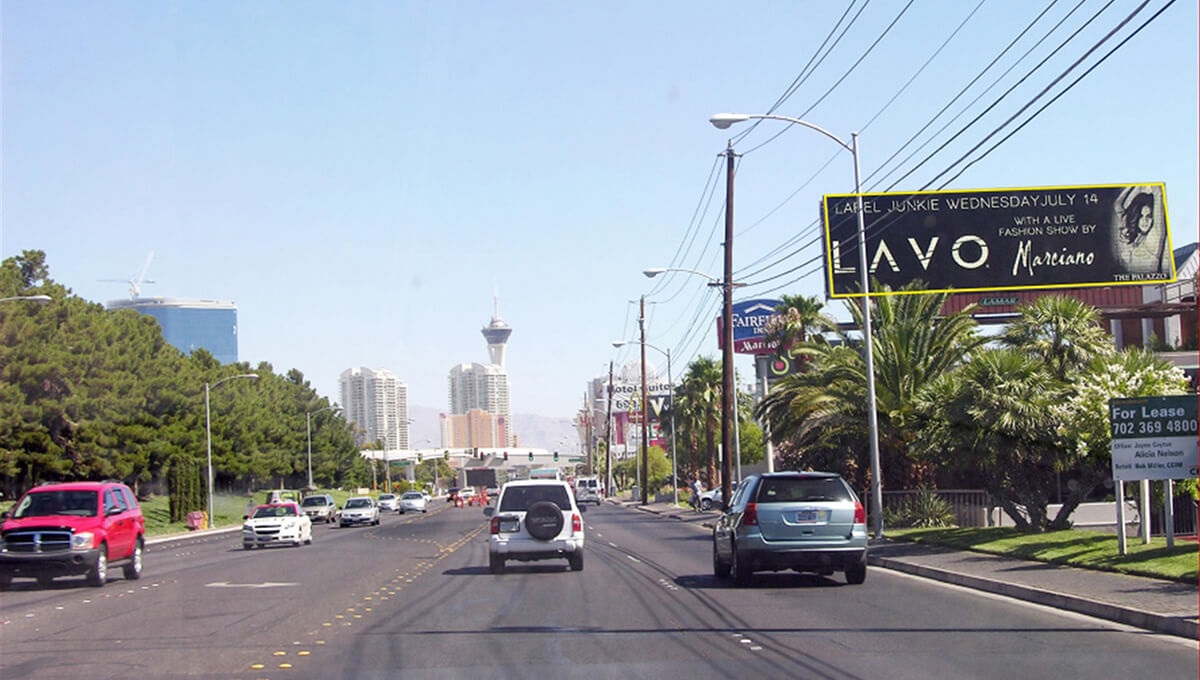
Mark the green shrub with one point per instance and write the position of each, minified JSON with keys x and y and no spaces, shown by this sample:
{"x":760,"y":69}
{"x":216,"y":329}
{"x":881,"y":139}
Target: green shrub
{"x":925,"y":509}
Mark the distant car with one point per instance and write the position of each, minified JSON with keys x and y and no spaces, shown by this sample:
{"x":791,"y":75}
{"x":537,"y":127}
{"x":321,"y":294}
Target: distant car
{"x":320,"y":508}
{"x":388,"y":502}
{"x":805,"y":521}
{"x":359,"y":510}
{"x":587,"y":490}
{"x":466,"y":493}
{"x":492,"y":491}
{"x":276,"y":524}
{"x":451,"y":494}
{"x":412,"y":501}
{"x":428,"y":497}
{"x":712,"y":498}
{"x":535,"y":520}
{"x":72,"y":528}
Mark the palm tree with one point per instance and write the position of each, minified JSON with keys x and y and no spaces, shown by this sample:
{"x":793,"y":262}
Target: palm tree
{"x":1063,"y":331}
{"x":913,"y":345}
{"x":698,"y":400}
{"x":796,"y":319}
{"x":993,"y":417}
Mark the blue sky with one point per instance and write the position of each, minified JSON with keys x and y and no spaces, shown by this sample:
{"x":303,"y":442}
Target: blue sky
{"x":361,"y":178}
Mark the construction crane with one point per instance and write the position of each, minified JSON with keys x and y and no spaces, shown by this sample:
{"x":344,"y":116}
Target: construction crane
{"x":135,"y":284}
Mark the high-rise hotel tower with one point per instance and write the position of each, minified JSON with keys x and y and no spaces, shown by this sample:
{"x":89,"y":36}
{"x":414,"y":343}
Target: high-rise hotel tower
{"x":377,"y":402}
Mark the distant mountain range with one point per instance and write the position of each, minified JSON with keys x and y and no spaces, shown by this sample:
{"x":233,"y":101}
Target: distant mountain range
{"x":539,"y":432}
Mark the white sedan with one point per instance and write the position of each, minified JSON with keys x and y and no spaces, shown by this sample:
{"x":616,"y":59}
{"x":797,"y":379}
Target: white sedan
{"x":412,"y":501}
{"x":276,"y":523}
{"x":359,"y":510}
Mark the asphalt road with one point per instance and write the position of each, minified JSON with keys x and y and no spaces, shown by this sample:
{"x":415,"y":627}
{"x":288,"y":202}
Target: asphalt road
{"x":413,"y":598}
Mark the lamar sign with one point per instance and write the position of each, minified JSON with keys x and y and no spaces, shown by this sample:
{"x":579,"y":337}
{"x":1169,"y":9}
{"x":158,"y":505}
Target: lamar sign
{"x":1001,"y":239}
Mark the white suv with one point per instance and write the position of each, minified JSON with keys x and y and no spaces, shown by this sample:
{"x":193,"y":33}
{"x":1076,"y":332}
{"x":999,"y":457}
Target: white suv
{"x":535,"y":519}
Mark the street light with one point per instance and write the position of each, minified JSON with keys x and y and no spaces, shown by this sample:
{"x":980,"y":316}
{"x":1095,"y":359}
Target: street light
{"x":308,"y":417}
{"x":670,"y":406}
{"x":208,"y":435}
{"x":39,"y":299}
{"x":729,"y":443}
{"x":722,"y":121}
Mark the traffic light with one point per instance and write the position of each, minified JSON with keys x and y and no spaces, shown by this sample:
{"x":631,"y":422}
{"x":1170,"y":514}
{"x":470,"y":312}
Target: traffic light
{"x":446,"y":454}
{"x":556,"y":456}
{"x":531,"y":456}
{"x":506,"y":456}
{"x":419,"y":456}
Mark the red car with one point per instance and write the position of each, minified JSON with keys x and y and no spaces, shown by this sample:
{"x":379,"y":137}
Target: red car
{"x":71,"y":529}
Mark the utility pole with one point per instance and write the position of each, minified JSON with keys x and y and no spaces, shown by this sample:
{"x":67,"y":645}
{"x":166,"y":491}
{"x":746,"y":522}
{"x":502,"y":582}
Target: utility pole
{"x":727,"y":395}
{"x":608,"y":435}
{"x":645,"y":409}
{"x":587,"y":434}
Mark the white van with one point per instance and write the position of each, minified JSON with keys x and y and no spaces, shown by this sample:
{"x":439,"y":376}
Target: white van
{"x":587,"y":490}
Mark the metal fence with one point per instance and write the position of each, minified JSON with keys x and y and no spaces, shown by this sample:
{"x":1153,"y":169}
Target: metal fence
{"x":973,"y":508}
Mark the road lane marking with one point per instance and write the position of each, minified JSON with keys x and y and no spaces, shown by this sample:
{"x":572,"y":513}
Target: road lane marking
{"x":268,"y":584}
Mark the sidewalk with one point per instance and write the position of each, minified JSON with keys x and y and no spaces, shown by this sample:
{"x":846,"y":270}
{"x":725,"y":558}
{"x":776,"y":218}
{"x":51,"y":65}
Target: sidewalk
{"x":1160,"y":606}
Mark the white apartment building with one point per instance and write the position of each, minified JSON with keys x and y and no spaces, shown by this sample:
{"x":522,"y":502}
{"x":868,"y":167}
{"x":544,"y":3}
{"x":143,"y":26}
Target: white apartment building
{"x":481,"y":387}
{"x":377,"y":402}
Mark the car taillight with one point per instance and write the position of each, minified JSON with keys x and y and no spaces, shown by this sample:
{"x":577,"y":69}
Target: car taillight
{"x":860,"y":514}
{"x":750,"y":516}
{"x":495,"y":525}
{"x":576,"y":523}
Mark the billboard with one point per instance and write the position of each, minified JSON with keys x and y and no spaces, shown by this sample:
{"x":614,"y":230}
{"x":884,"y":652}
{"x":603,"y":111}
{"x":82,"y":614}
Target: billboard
{"x":1000,"y":239}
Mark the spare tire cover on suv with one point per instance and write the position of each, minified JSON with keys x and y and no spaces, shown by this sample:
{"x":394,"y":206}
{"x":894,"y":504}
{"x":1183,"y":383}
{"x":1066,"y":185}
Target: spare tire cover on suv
{"x":544,"y":520}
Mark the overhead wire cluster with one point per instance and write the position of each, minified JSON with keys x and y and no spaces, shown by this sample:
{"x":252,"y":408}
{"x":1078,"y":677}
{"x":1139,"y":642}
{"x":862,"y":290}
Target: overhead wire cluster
{"x":801,"y":256}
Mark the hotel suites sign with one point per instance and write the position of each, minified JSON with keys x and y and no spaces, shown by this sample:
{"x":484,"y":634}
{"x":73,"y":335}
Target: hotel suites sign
{"x":1000,"y":239}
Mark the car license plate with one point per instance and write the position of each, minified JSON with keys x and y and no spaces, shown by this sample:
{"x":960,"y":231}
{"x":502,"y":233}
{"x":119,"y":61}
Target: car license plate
{"x":509,"y":526}
{"x":812,"y":516}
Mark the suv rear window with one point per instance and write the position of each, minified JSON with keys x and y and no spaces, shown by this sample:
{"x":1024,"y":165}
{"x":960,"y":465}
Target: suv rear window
{"x":801,"y":489}
{"x":519,"y":498}
{"x":314,"y":500}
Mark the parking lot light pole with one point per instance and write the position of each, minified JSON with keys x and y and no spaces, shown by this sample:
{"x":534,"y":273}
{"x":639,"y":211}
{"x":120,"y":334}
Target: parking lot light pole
{"x":208,"y":435}
{"x":722,"y":121}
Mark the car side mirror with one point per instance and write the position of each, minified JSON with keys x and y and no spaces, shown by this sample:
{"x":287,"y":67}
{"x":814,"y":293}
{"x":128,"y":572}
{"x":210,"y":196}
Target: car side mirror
{"x":3,"y":515}
{"x":245,"y":517}
{"x":489,"y":511}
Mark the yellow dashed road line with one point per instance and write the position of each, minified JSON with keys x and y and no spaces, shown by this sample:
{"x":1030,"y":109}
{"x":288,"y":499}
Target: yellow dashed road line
{"x":444,"y":551}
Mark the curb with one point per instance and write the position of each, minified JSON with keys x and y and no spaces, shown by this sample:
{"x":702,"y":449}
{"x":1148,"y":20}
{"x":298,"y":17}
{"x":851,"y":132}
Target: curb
{"x":1158,"y":623}
{"x":201,"y":533}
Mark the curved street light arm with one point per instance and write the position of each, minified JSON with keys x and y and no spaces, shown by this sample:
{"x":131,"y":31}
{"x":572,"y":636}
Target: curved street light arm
{"x":722,"y":121}
{"x":655,"y":271}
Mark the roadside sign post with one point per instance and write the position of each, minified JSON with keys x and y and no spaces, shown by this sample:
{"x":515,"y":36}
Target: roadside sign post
{"x":1153,"y":438}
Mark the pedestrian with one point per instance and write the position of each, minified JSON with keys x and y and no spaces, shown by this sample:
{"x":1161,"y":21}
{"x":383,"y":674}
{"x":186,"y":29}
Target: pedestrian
{"x":696,"y":490}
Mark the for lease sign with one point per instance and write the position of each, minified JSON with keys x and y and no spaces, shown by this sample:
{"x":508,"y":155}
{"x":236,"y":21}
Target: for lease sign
{"x":1154,"y":437}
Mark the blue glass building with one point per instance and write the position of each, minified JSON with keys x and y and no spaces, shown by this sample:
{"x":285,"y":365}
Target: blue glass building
{"x":189,"y":325}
